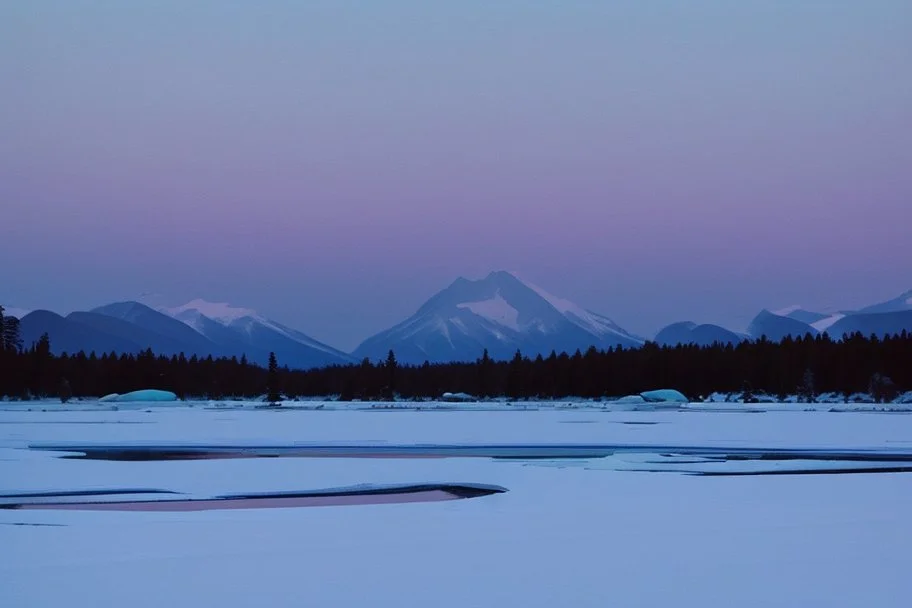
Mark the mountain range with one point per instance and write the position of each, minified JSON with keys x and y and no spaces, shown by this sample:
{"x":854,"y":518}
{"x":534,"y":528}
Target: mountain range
{"x":890,"y":317}
{"x":130,"y":327}
{"x":500,"y":313}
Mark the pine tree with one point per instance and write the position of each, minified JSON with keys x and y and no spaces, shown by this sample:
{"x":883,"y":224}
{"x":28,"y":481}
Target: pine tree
{"x":391,"y":367}
{"x":10,"y":339}
{"x":515,"y":377}
{"x":485,"y":368}
{"x":41,"y":362}
{"x":807,"y":390}
{"x":272,"y":391}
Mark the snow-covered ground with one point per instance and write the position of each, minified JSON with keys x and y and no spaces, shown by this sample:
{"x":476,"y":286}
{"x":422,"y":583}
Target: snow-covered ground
{"x":580,"y":532}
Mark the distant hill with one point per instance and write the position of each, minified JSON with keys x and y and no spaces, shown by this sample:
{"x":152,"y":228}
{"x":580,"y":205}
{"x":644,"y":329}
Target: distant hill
{"x":878,"y":324}
{"x":776,"y":327}
{"x":686,"y":332}
{"x":70,"y":335}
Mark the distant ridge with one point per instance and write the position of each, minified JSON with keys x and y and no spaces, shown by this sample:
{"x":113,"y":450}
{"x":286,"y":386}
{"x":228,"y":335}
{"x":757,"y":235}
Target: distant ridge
{"x":687,"y":332}
{"x":236,"y":329}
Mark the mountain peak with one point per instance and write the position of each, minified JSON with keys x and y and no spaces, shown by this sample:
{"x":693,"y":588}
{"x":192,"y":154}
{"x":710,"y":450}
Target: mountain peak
{"x":495,"y":277}
{"x":222,"y":312}
{"x":500,"y":313}
{"x":502,"y":275}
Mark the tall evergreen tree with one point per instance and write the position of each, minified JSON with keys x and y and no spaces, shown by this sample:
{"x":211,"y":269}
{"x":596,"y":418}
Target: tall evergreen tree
{"x":41,"y":362}
{"x":391,"y":366}
{"x":515,"y":377}
{"x":10,"y":339}
{"x":272,"y":380}
{"x":485,"y":373}
{"x":807,"y":391}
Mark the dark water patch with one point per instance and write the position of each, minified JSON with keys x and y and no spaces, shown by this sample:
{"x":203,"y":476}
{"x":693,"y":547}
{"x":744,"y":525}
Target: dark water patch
{"x":84,"y":493}
{"x":151,"y":452}
{"x":22,"y":523}
{"x":458,"y":490}
{"x":359,"y":495}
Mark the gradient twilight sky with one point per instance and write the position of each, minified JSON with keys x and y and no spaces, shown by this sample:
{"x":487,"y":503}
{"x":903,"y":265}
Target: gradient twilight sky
{"x":334,"y":163}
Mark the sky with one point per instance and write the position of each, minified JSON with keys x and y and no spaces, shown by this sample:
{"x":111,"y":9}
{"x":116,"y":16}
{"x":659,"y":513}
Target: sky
{"x":335,"y":163}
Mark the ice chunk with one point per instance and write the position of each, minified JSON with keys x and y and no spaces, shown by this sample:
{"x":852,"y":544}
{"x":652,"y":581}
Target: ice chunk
{"x":665,"y":394}
{"x":630,"y":399}
{"x":457,"y":397}
{"x":143,"y":395}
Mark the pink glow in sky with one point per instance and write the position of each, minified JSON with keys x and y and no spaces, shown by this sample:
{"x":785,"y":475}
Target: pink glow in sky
{"x":333,"y":164}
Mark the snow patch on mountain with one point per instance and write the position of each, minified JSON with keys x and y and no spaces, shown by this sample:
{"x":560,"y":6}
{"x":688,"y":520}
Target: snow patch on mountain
{"x":460,"y":324}
{"x":496,"y":310}
{"x":587,"y":320}
{"x":192,"y":318}
{"x":825,"y":324}
{"x":222,"y":312}
{"x":784,"y":312}
{"x":240,"y":319}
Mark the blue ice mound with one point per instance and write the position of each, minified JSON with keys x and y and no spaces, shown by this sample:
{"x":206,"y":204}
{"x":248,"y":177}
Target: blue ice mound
{"x":664,"y":395}
{"x":147,"y":395}
{"x":457,"y":397}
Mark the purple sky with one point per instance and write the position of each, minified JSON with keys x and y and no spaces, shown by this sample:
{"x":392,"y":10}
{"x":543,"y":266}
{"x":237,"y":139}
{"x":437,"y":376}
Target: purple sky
{"x":334,"y":163}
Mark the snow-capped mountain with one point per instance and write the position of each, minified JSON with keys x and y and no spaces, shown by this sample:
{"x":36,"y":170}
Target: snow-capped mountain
{"x":898,"y":304}
{"x":243,"y":330}
{"x":158,"y":331}
{"x":800,"y":314}
{"x":886,"y":318}
{"x":500,"y":313}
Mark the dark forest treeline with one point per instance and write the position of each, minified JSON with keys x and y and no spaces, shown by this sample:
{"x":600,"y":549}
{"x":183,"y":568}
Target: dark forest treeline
{"x":807,"y":365}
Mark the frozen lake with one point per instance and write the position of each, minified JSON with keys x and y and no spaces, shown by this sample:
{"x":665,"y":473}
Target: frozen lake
{"x":666,"y":508}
